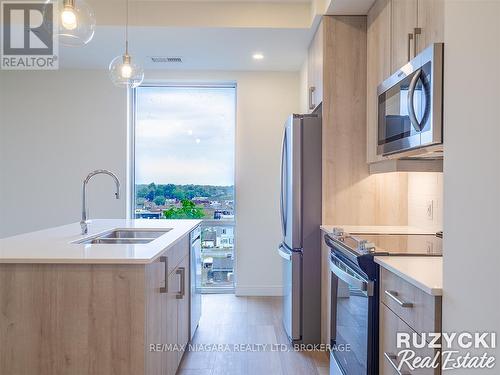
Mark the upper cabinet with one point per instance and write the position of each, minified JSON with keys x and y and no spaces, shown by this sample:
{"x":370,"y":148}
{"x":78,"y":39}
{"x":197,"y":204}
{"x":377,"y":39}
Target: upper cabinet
{"x":431,"y":23}
{"x":379,"y":67}
{"x":315,"y":70}
{"x":415,"y":25}
{"x":397,"y":30}
{"x":404,"y":23}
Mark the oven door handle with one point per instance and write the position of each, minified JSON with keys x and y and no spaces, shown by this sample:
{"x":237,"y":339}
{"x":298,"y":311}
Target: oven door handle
{"x":411,"y":107}
{"x":364,"y":286}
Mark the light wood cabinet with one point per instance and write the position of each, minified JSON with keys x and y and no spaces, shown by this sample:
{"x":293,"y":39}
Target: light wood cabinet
{"x":415,"y":25}
{"x":173,"y":322}
{"x":424,"y":312}
{"x":156,"y":315}
{"x":403,"y":24}
{"x":315,"y":70}
{"x":95,"y":319}
{"x":183,"y":306}
{"x":407,"y":309}
{"x":431,"y":23}
{"x":390,"y":325}
{"x":379,"y":67}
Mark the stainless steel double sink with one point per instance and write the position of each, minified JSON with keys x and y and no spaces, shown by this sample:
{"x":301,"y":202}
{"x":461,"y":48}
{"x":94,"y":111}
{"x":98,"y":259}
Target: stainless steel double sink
{"x":125,"y":236}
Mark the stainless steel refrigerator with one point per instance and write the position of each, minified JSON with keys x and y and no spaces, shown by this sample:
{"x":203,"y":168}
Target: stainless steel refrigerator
{"x":300,"y":210}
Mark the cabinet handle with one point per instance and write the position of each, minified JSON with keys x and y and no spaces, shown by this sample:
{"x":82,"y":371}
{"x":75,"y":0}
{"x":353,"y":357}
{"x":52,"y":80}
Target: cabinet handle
{"x":410,"y":38}
{"x":417,"y":31}
{"x":181,"y":271}
{"x":164,"y":289}
{"x":311,"y":102}
{"x":394,"y":296}
{"x":391,"y":357}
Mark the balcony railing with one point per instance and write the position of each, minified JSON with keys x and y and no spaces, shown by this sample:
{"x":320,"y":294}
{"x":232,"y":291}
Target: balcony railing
{"x":217,"y":255}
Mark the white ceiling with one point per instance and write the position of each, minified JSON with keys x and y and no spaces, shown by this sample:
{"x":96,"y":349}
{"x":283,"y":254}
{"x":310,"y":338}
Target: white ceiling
{"x":227,"y":41}
{"x":203,"y":48}
{"x":349,"y":7}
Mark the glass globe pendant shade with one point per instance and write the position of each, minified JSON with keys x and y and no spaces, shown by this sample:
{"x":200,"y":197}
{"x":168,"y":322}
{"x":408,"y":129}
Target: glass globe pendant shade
{"x":76,"y":23}
{"x":124,"y":72}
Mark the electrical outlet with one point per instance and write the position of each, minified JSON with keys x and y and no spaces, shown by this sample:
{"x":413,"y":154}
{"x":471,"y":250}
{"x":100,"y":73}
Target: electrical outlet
{"x":430,"y":210}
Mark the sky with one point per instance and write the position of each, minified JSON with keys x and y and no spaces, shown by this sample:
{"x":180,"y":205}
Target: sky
{"x":185,"y":135}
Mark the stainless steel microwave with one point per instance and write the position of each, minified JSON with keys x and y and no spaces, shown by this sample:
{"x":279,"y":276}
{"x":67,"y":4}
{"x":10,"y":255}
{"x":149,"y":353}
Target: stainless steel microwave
{"x":410,"y":105}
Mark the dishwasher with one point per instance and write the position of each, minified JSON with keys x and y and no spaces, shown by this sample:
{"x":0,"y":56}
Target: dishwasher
{"x":195,"y":282}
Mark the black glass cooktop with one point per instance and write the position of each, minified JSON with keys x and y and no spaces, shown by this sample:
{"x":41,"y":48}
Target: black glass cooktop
{"x":394,"y":244}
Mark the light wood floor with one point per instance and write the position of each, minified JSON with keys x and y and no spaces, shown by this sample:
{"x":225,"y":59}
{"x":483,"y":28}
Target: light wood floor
{"x":228,"y":319}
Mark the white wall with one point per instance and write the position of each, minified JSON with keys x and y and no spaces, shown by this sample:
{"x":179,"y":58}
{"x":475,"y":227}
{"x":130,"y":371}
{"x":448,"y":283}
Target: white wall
{"x":55,"y":127}
{"x":472,"y":169}
{"x":304,"y":88}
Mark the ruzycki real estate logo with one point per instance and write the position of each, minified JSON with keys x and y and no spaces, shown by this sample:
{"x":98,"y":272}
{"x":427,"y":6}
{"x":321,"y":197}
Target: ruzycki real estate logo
{"x":447,"y":351}
{"x":29,"y":37}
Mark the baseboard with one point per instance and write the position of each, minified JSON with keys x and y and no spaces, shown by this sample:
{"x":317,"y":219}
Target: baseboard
{"x":258,"y":291}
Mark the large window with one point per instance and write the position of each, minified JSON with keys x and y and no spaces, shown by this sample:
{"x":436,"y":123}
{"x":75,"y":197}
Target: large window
{"x":184,"y":166}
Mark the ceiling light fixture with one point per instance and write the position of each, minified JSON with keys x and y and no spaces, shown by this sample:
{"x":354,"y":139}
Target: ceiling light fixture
{"x":258,"y":56}
{"x":76,"y":23}
{"x":123,"y":71}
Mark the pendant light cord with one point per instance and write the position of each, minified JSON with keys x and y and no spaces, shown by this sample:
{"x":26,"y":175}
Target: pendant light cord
{"x":126,"y":30}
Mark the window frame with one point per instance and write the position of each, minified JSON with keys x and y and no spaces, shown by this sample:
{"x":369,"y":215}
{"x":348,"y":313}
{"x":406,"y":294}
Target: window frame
{"x":131,"y":111}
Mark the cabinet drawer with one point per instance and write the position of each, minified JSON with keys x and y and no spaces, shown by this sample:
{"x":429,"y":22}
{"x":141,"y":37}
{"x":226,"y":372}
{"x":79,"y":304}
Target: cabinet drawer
{"x":177,"y":252}
{"x":421,"y":311}
{"x":390,"y":324}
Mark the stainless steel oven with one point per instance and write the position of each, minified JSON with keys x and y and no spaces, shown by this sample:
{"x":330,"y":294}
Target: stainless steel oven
{"x":410,"y":105}
{"x":354,"y":301}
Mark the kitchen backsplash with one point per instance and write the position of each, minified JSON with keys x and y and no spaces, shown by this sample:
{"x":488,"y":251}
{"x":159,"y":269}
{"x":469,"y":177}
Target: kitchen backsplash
{"x":425,"y":200}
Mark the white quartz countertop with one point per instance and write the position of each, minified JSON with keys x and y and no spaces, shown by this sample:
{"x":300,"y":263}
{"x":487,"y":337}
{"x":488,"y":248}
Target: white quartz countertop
{"x":374,"y":229}
{"x":426,"y":273}
{"x":55,"y":245}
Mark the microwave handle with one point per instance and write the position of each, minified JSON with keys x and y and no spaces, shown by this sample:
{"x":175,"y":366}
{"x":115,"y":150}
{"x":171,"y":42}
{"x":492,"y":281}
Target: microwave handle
{"x":411,"y":94}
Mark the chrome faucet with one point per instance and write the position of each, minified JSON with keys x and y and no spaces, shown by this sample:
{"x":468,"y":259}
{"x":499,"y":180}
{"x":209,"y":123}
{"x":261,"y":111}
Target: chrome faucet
{"x":84,"y":222}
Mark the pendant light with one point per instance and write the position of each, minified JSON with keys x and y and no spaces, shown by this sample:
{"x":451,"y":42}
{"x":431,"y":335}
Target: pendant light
{"x":123,"y":71}
{"x":76,"y":23}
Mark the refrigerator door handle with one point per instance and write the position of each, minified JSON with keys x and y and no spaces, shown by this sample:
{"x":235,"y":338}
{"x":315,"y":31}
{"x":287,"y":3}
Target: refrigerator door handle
{"x":284,"y":253}
{"x":282,"y":182}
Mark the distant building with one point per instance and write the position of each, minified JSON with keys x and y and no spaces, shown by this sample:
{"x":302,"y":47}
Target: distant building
{"x":223,"y":214}
{"x":199,"y":198}
{"x":208,"y":239}
{"x":225,"y":237}
{"x":143,"y":214}
{"x":222,"y":269}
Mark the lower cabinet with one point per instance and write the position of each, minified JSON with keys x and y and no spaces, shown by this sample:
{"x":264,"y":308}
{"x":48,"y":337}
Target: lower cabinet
{"x":389,"y":360}
{"x":405,"y":309}
{"x":95,"y":319}
{"x":183,"y":320}
{"x":171,"y":320}
{"x":167,"y":312}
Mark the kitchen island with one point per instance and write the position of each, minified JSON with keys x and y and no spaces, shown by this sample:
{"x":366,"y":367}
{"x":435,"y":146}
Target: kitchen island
{"x":69,"y":306}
